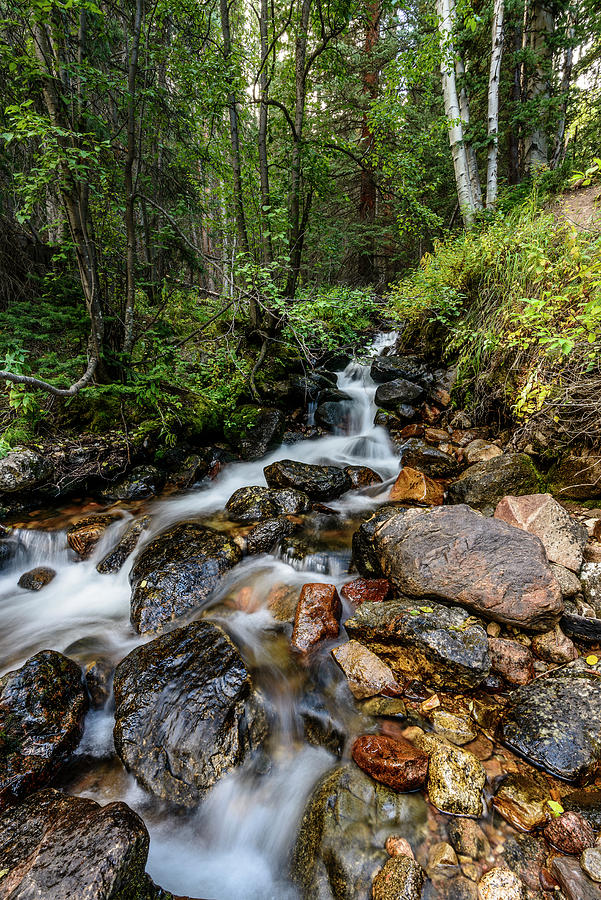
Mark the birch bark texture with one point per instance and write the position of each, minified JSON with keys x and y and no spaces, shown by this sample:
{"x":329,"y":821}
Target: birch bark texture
{"x":446,"y":17}
{"x":493,"y":104}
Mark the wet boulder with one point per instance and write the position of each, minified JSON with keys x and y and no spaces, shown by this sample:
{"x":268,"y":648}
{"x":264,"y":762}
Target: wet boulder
{"x":256,"y":429}
{"x":308,"y":386}
{"x":393,"y":394}
{"x":484,"y":484}
{"x":563,"y":536}
{"x":23,"y":470}
{"x":186,"y":712}
{"x":140,"y":484}
{"x":392,"y":761}
{"x":114,"y":559}
{"x":417,"y":454}
{"x":574,"y":883}
{"x":265,"y":535}
{"x":177,"y":571}
{"x":320,"y":727}
{"x":333,"y":409}
{"x":522,"y":800}
{"x":61,"y":847}
{"x":555,"y":721}
{"x":345,"y":825}
{"x":36,"y":579}
{"x":256,"y":502}
{"x":365,"y":554}
{"x":362,"y":589}
{"x":84,"y":534}
{"x":318,"y":482}
{"x":438,"y":644}
{"x":456,"y":778}
{"x":459,"y":556}
{"x":478,"y":451}
{"x":362,"y":476}
{"x":42,"y":710}
{"x":317,"y":616}
{"x":388,"y":368}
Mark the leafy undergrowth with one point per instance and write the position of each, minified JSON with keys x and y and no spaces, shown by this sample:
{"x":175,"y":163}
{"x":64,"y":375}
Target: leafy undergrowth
{"x":518,"y":305}
{"x":191,"y":363}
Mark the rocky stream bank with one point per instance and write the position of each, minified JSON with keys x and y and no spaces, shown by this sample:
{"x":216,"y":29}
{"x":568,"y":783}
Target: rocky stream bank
{"x":360,"y":659}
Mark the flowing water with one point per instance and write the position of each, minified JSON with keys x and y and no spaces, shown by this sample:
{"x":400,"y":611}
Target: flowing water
{"x":235,"y":845}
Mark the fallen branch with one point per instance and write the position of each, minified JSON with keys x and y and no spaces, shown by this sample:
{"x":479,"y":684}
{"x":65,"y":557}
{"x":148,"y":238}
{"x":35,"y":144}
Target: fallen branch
{"x":37,"y":383}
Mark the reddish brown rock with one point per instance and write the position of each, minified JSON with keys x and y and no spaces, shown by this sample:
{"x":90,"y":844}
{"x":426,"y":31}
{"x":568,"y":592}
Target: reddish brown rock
{"x":410,"y":431}
{"x":362,"y":476}
{"x":511,"y":660}
{"x":412,"y":486}
{"x":481,"y":451}
{"x":564,"y":538}
{"x":392,"y":761}
{"x":83,"y":535}
{"x":570,"y":833}
{"x":398,"y":846}
{"x":317,"y":616}
{"x":430,"y":413}
{"x":371,"y":590}
{"x":554,"y":646}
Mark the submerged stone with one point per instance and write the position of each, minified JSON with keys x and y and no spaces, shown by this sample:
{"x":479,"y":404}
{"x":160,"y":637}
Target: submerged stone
{"x":343,"y":832}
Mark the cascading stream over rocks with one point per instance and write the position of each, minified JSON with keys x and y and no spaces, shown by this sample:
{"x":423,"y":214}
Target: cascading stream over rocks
{"x":312,"y":676}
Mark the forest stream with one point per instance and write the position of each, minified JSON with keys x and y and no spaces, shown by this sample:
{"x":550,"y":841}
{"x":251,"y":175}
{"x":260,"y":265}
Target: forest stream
{"x":267,"y":765}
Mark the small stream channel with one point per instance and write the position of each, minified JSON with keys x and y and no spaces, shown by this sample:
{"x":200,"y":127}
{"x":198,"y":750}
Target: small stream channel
{"x":236,"y":844}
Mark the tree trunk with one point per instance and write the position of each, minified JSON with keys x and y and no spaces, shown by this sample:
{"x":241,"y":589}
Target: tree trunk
{"x":128,"y":180}
{"x":493,"y":104}
{"x":516,"y":96}
{"x":262,"y":137}
{"x":541,"y":28}
{"x":294,"y":207}
{"x":472,"y":160}
{"x":566,"y":80}
{"x":446,"y":13}
{"x":367,"y":200}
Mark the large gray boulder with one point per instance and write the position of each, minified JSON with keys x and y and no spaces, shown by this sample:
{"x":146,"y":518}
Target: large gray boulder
{"x":318,"y":482}
{"x":441,"y":645}
{"x":65,"y":848}
{"x":456,"y":555}
{"x":563,"y":536}
{"x":340,"y":844}
{"x":177,"y":571}
{"x":186,"y":712}
{"x":485,"y":483}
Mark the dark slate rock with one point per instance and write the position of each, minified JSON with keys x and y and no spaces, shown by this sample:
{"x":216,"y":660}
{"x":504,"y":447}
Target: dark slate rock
{"x":388,"y":368}
{"x":341,"y":838}
{"x":395,"y":393}
{"x":185,"y":712}
{"x":485,"y":483}
{"x":58,"y":847}
{"x":333,"y":409}
{"x":584,"y":628}
{"x":427,"y":640}
{"x":319,"y":482}
{"x":258,"y":428}
{"x":256,"y":503}
{"x":307,"y":387}
{"x":36,"y":579}
{"x":555,"y":721}
{"x":177,"y":571}
{"x":365,"y":556}
{"x":115,"y":558}
{"x":264,"y":536}
{"x":140,"y":484}
{"x":417,"y":454}
{"x":42,"y":710}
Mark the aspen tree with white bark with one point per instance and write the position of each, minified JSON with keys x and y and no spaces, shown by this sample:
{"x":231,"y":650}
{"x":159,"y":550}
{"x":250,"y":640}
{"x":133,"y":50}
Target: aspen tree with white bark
{"x":493,"y":104}
{"x":446,"y":20}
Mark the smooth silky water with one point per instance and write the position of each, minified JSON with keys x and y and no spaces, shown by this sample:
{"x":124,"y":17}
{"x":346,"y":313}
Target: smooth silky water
{"x":236,"y":843}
